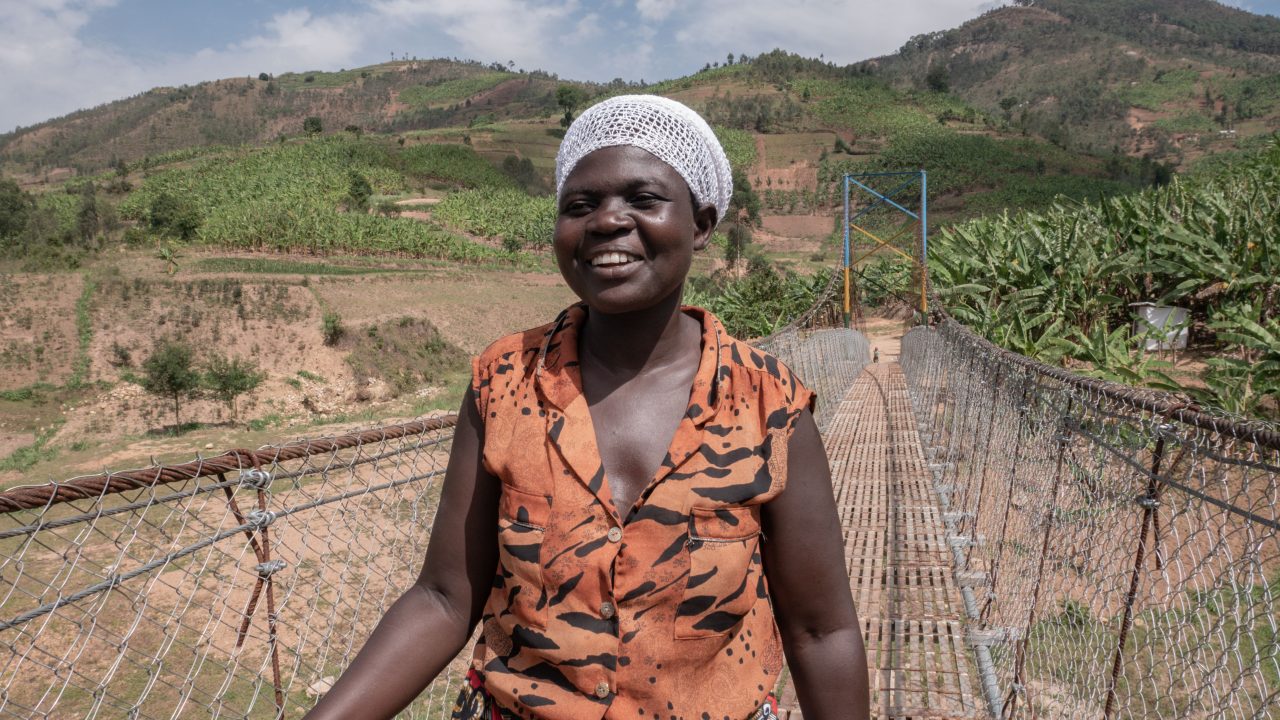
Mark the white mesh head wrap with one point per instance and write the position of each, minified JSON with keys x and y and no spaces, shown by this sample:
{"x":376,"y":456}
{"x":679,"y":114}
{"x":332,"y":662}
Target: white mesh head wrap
{"x":669,"y":130}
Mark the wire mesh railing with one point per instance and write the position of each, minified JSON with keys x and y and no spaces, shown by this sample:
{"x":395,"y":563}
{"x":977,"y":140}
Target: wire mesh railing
{"x":233,"y":586}
{"x":826,"y":357}
{"x":241,"y":585}
{"x":1119,"y":552}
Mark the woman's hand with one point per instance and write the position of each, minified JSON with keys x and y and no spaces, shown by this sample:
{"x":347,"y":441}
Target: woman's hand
{"x":805,"y":565}
{"x":429,"y":624}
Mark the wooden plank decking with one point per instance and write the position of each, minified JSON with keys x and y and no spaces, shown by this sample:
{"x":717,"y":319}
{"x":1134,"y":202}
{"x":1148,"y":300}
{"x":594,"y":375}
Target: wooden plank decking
{"x":898,"y":560}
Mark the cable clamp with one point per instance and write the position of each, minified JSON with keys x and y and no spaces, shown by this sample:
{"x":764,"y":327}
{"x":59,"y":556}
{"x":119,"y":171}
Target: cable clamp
{"x":1147,"y":502}
{"x":260,"y":518}
{"x":255,"y":478}
{"x":267,"y":569}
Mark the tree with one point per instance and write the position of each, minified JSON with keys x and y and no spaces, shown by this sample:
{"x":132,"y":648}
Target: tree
{"x":312,"y":125}
{"x":227,"y":379}
{"x":15,"y":206}
{"x":358,"y":192}
{"x":174,"y":215}
{"x":264,"y":77}
{"x":331,"y":328}
{"x":87,"y":221}
{"x":168,"y":373}
{"x":570,"y":97}
{"x":938,"y":79}
{"x":739,"y":237}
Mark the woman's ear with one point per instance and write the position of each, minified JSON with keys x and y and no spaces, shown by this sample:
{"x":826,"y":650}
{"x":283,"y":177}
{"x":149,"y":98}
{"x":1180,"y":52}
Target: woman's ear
{"x":704,"y":222}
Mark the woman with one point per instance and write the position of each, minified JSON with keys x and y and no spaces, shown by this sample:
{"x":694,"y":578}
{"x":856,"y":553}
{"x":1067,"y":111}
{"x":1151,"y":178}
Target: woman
{"x":637,"y":507}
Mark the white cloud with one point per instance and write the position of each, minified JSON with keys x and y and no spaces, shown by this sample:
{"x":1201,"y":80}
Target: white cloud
{"x":842,"y":31}
{"x":528,"y":32}
{"x":655,"y":9}
{"x":48,"y":69}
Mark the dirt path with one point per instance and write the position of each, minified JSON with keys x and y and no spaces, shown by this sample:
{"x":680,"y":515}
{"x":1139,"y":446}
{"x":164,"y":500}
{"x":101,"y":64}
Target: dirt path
{"x":886,"y":335}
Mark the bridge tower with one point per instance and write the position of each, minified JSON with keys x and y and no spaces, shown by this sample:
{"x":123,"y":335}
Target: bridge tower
{"x":883,"y":215}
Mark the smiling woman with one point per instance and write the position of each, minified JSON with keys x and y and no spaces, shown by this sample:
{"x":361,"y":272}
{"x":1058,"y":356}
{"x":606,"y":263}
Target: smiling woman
{"x":638,"y":509}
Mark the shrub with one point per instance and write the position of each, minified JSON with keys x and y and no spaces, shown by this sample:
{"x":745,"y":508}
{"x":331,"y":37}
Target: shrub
{"x":312,"y":125}
{"x":227,"y":379}
{"x":168,"y":372}
{"x":331,"y":328}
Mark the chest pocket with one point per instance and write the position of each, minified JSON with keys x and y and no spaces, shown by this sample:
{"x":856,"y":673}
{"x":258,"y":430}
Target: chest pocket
{"x":724,"y":571}
{"x":522,"y":522}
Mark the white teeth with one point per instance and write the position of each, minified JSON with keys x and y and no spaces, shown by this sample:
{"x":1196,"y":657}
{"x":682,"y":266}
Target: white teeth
{"x":612,"y":258}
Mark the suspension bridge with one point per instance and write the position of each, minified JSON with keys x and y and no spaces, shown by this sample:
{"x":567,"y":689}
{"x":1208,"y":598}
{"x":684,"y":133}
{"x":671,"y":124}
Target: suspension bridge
{"x":1020,"y":542}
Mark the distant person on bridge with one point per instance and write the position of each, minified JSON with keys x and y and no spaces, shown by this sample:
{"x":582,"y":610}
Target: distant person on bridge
{"x":637,"y":509}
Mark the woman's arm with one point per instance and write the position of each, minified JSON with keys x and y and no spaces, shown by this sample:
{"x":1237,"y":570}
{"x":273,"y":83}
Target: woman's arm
{"x":429,"y":624}
{"x":805,"y":565}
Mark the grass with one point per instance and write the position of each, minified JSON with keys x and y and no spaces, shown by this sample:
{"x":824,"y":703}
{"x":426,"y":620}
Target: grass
{"x":405,"y":353}
{"x":739,"y":145}
{"x":1169,"y":87}
{"x":298,"y":81}
{"x":84,"y":334}
{"x":276,"y":266}
{"x":24,"y":458}
{"x":31,"y":392}
{"x":1203,"y":633}
{"x":454,"y":91}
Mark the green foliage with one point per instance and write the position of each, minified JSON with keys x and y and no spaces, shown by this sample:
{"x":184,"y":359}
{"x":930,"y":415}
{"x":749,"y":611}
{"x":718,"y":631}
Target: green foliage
{"x":452,"y":164}
{"x":1165,"y":87}
{"x":938,"y":79}
{"x":358,"y":192}
{"x":173,"y":215}
{"x":1056,"y":284}
{"x":570,"y":97}
{"x":760,"y":301}
{"x":452,"y":91}
{"x":228,"y":378}
{"x":509,"y":215}
{"x":287,"y":197}
{"x":406,"y":353}
{"x":312,"y":125}
{"x":276,"y":266}
{"x":24,"y":458}
{"x":883,"y":280}
{"x":331,"y":328}
{"x":84,"y":334}
{"x":15,"y":206}
{"x":169,"y":372}
{"x":739,"y":146}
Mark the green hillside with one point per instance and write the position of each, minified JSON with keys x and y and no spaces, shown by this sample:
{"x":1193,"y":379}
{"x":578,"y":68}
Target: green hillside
{"x":1173,"y":79}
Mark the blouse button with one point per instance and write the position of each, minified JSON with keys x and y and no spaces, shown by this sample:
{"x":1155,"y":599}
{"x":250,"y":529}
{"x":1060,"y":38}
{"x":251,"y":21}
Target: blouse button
{"x":615,"y":534}
{"x":606,"y":610}
{"x":602,"y":690}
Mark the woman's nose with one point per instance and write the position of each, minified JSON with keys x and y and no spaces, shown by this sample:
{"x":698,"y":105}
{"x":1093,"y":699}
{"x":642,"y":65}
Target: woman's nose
{"x":610,"y":217}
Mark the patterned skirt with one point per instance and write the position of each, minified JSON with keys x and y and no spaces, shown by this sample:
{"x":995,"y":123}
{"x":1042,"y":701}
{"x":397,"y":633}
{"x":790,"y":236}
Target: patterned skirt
{"x":475,"y":703}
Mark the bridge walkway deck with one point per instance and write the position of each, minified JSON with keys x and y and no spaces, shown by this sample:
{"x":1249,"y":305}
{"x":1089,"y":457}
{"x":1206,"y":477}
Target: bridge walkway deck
{"x":897,"y":557}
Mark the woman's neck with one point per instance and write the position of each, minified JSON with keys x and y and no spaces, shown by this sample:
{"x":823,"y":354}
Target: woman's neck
{"x":629,"y":343}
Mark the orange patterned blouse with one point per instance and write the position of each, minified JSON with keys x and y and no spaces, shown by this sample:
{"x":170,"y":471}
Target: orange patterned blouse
{"x":663,"y":613}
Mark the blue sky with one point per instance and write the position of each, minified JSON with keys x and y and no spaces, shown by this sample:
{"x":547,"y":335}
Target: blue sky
{"x":60,"y":55}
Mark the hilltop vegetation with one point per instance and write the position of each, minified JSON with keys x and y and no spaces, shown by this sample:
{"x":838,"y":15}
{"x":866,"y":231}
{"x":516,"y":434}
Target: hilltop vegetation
{"x":1171,"y":78}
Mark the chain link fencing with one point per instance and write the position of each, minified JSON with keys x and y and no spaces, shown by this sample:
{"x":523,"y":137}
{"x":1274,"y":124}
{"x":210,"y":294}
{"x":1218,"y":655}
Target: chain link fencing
{"x":1118,"y":552}
{"x":235,"y":586}
{"x":826,"y":357}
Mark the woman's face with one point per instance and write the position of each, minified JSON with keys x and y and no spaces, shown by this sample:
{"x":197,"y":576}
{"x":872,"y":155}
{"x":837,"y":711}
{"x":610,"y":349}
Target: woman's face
{"x":627,"y":229}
